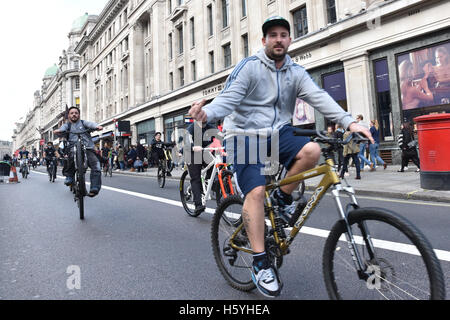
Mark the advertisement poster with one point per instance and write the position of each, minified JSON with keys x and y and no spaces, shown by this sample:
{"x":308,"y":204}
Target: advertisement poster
{"x":425,"y":77}
{"x":303,"y":114}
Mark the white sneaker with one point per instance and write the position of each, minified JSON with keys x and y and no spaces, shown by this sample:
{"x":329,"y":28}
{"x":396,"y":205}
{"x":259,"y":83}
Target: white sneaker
{"x":406,"y":169}
{"x":266,"y":281}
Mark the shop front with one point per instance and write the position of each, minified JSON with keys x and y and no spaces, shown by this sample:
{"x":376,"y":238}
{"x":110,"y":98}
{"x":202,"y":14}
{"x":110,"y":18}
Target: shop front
{"x":145,"y":131}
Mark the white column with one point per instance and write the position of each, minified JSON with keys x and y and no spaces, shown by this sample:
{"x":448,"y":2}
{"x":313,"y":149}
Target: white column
{"x":357,"y":82}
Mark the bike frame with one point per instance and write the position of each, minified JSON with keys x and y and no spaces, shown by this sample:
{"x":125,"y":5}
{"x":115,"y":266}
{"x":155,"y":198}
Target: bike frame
{"x":218,"y":164}
{"x":330,"y":178}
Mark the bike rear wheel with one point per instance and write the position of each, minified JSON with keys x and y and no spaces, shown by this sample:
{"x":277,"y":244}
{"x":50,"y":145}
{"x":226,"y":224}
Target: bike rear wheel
{"x":161,"y":175}
{"x":187,"y":196}
{"x":235,"y":265}
{"x":53,"y":171}
{"x":402,"y":264}
{"x":80,"y":179}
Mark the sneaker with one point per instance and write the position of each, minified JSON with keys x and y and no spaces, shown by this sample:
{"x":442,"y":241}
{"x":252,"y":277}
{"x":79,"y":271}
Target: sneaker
{"x":266,"y":280}
{"x":68,"y":182}
{"x":199,"y":209}
{"x":418,"y":170}
{"x":285,"y":210}
{"x":385,"y":166}
{"x":168,"y":174}
{"x":93,"y":192}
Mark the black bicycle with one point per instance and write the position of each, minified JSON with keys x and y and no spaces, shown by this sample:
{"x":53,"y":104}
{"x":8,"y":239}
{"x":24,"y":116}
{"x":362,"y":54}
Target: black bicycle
{"x":52,"y":169}
{"x":81,"y":164}
{"x":165,"y":165}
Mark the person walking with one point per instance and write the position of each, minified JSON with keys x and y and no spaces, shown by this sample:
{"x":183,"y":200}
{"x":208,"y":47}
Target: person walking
{"x":339,"y":134}
{"x":374,"y":153}
{"x":121,"y":157}
{"x":408,"y":145}
{"x":351,"y":151}
{"x":363,"y":146}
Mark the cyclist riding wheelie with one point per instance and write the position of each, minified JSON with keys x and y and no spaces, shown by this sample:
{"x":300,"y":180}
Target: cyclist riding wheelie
{"x":157,"y":148}
{"x":50,"y":155}
{"x":75,"y":125}
{"x":260,"y":94}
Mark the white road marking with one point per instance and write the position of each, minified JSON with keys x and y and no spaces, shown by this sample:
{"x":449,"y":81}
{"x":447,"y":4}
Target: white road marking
{"x":383,"y":244}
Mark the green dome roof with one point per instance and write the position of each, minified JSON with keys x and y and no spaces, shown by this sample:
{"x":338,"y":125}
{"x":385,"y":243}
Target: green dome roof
{"x":78,"y":24}
{"x":53,"y":70}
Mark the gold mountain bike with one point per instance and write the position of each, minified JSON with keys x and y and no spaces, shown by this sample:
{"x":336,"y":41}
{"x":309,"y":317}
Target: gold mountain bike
{"x":370,"y":253}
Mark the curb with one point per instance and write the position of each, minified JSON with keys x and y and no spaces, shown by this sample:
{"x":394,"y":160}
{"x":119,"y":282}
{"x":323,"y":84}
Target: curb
{"x":396,"y":195}
{"x":385,"y":194}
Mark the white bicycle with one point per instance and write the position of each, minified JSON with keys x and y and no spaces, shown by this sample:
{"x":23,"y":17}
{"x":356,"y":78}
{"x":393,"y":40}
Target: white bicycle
{"x":221,"y":187}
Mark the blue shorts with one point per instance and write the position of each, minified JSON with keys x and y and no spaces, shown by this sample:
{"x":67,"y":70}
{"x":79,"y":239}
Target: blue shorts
{"x":248,"y":163}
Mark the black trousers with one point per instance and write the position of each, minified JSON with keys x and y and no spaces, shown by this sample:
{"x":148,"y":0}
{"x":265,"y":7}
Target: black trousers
{"x":195,"y":172}
{"x":93,"y":163}
{"x":410,"y":154}
{"x":355,"y":158}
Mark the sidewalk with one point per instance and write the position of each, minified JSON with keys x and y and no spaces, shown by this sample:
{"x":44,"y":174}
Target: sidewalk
{"x":381,"y":183}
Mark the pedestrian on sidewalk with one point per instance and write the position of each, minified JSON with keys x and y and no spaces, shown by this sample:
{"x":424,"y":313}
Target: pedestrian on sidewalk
{"x":408,"y":145}
{"x":351,"y":151}
{"x":363,"y":146}
{"x":121,"y":157}
{"x":374,"y":152}
{"x":339,"y":134}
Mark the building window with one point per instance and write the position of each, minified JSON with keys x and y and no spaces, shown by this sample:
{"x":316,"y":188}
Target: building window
{"x":192,"y":33}
{"x":244,"y":8}
{"x":227,"y":55}
{"x":181,"y":73}
{"x":77,"y":83}
{"x":331,"y":11}
{"x":194,"y":71}
{"x":211,"y":62}
{"x":383,"y":97}
{"x":245,"y":45}
{"x":169,"y":7}
{"x":171,"y":81}
{"x":334,"y":85}
{"x":180,"y":39}
{"x":225,"y":13}
{"x":210,"y":20}
{"x":300,"y":22}
{"x":170,"y":47}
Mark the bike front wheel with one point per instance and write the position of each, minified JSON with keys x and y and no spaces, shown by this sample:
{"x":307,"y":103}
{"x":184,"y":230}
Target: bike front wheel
{"x":234,"y":262}
{"x":228,"y":186}
{"x":398,"y":261}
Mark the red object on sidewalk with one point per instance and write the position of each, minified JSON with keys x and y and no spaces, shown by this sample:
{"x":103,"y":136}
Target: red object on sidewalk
{"x":434,"y":150}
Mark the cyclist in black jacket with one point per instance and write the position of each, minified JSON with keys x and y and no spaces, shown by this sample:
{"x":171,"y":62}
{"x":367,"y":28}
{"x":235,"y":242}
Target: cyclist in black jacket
{"x":49,"y":153}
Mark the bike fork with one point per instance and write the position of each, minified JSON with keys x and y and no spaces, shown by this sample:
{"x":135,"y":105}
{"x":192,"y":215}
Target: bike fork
{"x":356,"y":257}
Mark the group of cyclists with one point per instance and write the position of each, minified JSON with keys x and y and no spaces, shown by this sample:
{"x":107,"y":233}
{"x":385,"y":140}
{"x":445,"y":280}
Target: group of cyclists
{"x":260,"y":93}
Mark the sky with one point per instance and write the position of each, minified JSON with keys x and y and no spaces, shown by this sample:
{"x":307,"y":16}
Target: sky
{"x":33,"y":35}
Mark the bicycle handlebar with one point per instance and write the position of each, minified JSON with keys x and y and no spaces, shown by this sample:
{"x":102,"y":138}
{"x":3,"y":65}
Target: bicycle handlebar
{"x":320,"y":136}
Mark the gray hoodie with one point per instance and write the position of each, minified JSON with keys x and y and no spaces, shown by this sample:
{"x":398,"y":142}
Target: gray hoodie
{"x":258,"y":96}
{"x":80,"y":126}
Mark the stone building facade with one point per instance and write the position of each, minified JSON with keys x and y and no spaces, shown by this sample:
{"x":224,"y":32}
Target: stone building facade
{"x":147,"y":61}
